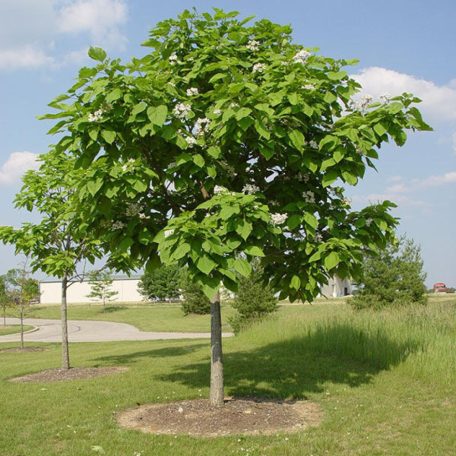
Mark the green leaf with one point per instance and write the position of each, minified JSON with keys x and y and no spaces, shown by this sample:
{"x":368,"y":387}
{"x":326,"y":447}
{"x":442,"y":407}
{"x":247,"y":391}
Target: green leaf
{"x":311,"y":220}
{"x":113,"y":95}
{"x":329,"y":97}
{"x":205,"y":264}
{"x":244,"y":228}
{"x":214,"y":151}
{"x":294,"y":221}
{"x":349,"y":178}
{"x":109,"y":136}
{"x":198,"y":160}
{"x":261,"y":130}
{"x":332,"y":260}
{"x":227,"y":211}
{"x":295,"y":282}
{"x":96,"y":53}
{"x":157,"y":115}
{"x":181,"y":251}
{"x":140,"y":107}
{"x":253,"y":250}
{"x":379,"y":129}
{"x":293,"y":98}
{"x":297,"y":139}
{"x":94,"y":185}
{"x":329,"y":178}
{"x":242,"y":266}
{"x":243,"y":112}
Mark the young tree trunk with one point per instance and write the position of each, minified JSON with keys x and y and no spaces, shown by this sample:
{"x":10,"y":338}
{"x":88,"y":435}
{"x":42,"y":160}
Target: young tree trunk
{"x":216,"y":397}
{"x":64,"y":322}
{"x":4,"y":315}
{"x":22,"y":323}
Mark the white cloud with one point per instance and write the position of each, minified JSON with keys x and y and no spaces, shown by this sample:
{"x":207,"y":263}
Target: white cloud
{"x":15,"y":166}
{"x":23,"y":57}
{"x":101,"y":18}
{"x":437,"y":181}
{"x":439,"y":101}
{"x":37,"y":33}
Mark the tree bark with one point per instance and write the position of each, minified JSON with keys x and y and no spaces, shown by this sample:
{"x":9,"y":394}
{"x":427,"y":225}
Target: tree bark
{"x":64,"y":322}
{"x":22,"y":324}
{"x":216,"y":397}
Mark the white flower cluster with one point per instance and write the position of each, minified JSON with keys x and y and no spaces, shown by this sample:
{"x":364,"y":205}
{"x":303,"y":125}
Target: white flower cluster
{"x":313,"y":144}
{"x":192,"y":91}
{"x":318,"y":237}
{"x":143,"y":216}
{"x":308,"y":87}
{"x":173,"y":59}
{"x":217,"y":112}
{"x":259,"y":67}
{"x":253,"y":45}
{"x":128,"y":165}
{"x":309,"y":197}
{"x":169,"y":233}
{"x":362,"y":104}
{"x":250,"y":189}
{"x":385,"y":98}
{"x":182,"y":110}
{"x":118,"y":225}
{"x":201,"y":126}
{"x":191,"y":141}
{"x":369,"y":222}
{"x":278,"y":219}
{"x":218,"y":189}
{"x":133,"y":209}
{"x":96,"y":116}
{"x":301,"y":56}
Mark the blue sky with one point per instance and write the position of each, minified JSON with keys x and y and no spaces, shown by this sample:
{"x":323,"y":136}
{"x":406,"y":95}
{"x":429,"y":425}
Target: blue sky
{"x":402,"y":46}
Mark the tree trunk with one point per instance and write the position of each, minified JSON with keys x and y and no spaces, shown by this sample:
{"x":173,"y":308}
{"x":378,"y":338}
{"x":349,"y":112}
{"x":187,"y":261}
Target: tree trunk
{"x":216,"y":397}
{"x":4,"y":315}
{"x":64,"y":322}
{"x":22,"y":324}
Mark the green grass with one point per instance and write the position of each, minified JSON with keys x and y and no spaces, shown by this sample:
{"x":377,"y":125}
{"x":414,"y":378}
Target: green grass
{"x":147,"y":317}
{"x":13,"y":329}
{"x":386,"y":382}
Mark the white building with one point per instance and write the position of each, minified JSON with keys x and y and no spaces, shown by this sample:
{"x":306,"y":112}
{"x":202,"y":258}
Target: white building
{"x":127,"y":289}
{"x":336,"y":288}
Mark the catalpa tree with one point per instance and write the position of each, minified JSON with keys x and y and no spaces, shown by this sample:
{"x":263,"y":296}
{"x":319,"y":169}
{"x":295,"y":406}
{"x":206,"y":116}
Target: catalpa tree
{"x":52,"y":244}
{"x":227,"y":141}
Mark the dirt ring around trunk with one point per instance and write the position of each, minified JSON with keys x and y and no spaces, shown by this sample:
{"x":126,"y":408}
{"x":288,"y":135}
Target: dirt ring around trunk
{"x":239,"y":416}
{"x":62,"y":375}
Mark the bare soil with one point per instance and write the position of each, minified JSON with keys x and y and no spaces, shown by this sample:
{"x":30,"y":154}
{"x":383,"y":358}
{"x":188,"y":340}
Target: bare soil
{"x":242,"y":416}
{"x":61,"y":375}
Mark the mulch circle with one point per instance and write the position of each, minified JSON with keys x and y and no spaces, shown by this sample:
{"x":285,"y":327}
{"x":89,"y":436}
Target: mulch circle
{"x":76,"y":373}
{"x":22,"y":350}
{"x":239,"y":416}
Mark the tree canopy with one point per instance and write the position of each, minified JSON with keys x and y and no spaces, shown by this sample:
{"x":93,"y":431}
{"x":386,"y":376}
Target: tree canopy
{"x":228,"y":140}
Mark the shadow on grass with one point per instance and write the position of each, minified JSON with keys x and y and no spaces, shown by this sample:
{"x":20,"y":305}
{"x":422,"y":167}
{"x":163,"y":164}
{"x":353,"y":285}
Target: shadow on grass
{"x":337,"y":354}
{"x":111,"y":309}
{"x":157,"y":353}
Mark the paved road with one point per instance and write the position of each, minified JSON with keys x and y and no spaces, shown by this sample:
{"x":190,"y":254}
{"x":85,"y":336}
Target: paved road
{"x":92,"y":331}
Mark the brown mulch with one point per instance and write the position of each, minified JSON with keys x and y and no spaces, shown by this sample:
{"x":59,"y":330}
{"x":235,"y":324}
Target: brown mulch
{"x":76,"y":373}
{"x":22,"y":350}
{"x":241,"y":416}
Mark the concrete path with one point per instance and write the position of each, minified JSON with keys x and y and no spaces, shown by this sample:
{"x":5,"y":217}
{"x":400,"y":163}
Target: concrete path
{"x":91,"y":331}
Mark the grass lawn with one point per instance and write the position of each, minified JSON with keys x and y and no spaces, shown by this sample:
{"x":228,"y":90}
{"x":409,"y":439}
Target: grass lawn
{"x":13,"y":329}
{"x":147,"y":317}
{"x":386,"y":382}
